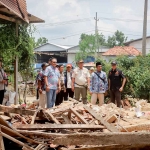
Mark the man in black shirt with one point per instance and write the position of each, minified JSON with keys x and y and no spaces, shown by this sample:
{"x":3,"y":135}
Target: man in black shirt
{"x":116,"y":83}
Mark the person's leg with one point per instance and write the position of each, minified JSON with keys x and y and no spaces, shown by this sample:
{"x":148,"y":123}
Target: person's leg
{"x":71,"y":93}
{"x":84,"y":95}
{"x":61,"y":96}
{"x":101,"y":99}
{"x":57,"y":102}
{"x":49,"y":98}
{"x":118,"y":98}
{"x":1,"y":96}
{"x":66,"y":94}
{"x":77,"y":93}
{"x":54,"y":97}
{"x":37,"y":93}
{"x":112,"y":96}
{"x":94,"y":98}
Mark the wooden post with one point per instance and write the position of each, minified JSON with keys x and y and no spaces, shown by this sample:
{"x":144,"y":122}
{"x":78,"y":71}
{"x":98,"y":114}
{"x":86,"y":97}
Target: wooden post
{"x":16,"y":71}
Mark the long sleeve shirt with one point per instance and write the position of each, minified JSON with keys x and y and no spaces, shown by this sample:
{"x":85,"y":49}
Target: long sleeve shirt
{"x":98,"y":85}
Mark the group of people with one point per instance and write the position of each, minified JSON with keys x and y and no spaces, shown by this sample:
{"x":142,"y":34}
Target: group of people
{"x":60,"y":84}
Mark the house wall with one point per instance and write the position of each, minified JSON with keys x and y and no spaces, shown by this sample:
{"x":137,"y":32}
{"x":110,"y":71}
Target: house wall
{"x":138,"y":45}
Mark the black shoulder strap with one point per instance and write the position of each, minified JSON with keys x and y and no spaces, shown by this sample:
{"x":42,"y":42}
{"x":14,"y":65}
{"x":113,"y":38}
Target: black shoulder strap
{"x":100,"y":77}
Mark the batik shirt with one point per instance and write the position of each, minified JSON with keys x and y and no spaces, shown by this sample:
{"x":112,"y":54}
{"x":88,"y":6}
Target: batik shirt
{"x":40,"y":77}
{"x":53,"y":76}
{"x":97,"y":85}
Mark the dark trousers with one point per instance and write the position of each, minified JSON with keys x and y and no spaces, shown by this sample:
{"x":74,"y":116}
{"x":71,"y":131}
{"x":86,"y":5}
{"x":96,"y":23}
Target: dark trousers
{"x":37,"y":93}
{"x":1,"y":96}
{"x":59,"y":98}
{"x":115,"y":95}
{"x":69,"y":93}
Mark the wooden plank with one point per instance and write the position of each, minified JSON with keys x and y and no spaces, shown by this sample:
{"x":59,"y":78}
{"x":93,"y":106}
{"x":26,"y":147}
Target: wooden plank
{"x":7,"y":18}
{"x":79,"y":116}
{"x":1,"y":141}
{"x":20,"y":135}
{"x":57,"y":126}
{"x":9,"y":109}
{"x":16,"y":141}
{"x":133,"y":139}
{"x":51,"y":116}
{"x":34,"y":116}
{"x":66,"y":119}
{"x":40,"y":134}
{"x":98,"y":117}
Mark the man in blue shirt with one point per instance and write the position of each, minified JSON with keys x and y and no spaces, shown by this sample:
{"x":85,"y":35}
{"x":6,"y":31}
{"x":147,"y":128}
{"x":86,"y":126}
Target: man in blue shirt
{"x":52,"y":81}
{"x":98,"y":85}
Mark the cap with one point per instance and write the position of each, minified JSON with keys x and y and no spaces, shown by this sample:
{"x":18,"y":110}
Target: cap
{"x":114,"y":63}
{"x":92,"y":68}
{"x":69,"y":65}
{"x":98,"y":64}
{"x":81,"y":61}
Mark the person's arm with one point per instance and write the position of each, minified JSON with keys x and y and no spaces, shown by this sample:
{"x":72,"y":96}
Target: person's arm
{"x":109,"y":83}
{"x":72,"y":85}
{"x":106,"y":82}
{"x":45,"y":73}
{"x":91,"y":83}
{"x":39,"y":86}
{"x":123,"y":82}
{"x":88,"y":79}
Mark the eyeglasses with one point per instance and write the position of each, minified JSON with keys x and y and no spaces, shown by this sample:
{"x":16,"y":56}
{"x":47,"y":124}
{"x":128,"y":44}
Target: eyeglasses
{"x":54,"y":62}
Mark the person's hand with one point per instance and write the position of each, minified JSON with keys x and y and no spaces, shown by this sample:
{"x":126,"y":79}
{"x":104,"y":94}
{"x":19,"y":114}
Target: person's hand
{"x":73,"y":89}
{"x":3,"y":81}
{"x":59,"y":88}
{"x":91,"y":93}
{"x":65,"y":90}
{"x":121,"y":89}
{"x":40,"y":91}
{"x":47,"y":88}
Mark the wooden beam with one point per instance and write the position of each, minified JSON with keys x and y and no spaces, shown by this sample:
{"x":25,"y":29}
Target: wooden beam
{"x":133,"y":139}
{"x":57,"y":126}
{"x":34,"y":116}
{"x":16,"y":141}
{"x":7,"y":18}
{"x":1,"y":141}
{"x":40,"y":134}
{"x":98,"y":117}
{"x":47,"y":113}
{"x":9,"y":109}
{"x":79,"y":116}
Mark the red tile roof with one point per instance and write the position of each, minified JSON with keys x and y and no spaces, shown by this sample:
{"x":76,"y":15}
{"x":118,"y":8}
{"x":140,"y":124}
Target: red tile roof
{"x":18,"y":7}
{"x":122,"y":50}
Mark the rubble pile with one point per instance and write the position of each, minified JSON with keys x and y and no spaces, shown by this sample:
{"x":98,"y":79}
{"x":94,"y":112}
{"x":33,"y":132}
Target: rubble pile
{"x":73,"y":125}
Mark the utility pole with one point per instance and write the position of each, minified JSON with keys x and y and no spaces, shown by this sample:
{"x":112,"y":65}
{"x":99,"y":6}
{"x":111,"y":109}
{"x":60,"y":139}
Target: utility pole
{"x":144,"y":28}
{"x":96,"y":33}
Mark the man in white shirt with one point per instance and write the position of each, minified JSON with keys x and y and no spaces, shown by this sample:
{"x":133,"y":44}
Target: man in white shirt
{"x":80,"y":81}
{"x":68,"y":82}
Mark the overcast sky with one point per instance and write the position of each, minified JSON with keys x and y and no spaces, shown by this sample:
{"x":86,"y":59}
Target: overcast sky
{"x":65,"y":20}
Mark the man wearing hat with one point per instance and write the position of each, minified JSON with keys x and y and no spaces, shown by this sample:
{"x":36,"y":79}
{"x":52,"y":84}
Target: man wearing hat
{"x":116,"y":83}
{"x":80,"y":81}
{"x":68,"y":80}
{"x":99,"y":85}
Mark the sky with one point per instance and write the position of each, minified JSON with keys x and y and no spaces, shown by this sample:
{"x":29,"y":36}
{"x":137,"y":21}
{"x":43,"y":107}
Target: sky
{"x":66,"y":20}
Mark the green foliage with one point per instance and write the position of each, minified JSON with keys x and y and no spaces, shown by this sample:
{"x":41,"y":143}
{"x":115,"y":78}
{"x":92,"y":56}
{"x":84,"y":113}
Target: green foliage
{"x":138,"y":75}
{"x":117,"y":39}
{"x":40,"y":41}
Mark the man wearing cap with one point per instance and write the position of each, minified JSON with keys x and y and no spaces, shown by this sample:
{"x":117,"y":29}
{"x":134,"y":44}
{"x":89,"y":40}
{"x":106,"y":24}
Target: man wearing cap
{"x":98,"y":85}
{"x":68,"y":80}
{"x":116,"y":83}
{"x":80,"y":81}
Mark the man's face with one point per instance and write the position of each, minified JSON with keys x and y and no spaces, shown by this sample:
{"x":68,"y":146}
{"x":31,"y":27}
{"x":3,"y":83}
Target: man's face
{"x":54,"y":62}
{"x":80,"y":64}
{"x":61,"y":69}
{"x":99,"y":67}
{"x":68,"y":69}
{"x":114,"y":66}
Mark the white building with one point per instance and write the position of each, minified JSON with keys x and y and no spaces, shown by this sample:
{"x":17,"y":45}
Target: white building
{"x":137,"y":43}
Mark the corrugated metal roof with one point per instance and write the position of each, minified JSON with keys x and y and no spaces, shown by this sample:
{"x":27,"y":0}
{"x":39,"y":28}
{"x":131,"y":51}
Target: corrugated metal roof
{"x":17,"y":7}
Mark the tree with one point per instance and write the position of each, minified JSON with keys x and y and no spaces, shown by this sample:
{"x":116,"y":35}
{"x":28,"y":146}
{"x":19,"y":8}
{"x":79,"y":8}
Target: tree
{"x":88,"y":45}
{"x":40,"y":41}
{"x":117,"y":39}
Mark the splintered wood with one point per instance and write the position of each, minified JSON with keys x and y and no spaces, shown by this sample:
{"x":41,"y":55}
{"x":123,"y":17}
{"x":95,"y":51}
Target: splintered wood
{"x":75,"y":126}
